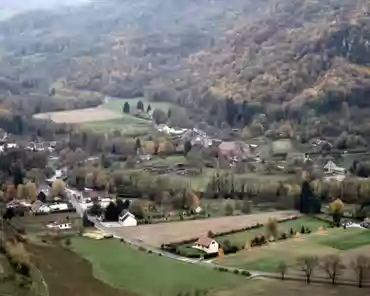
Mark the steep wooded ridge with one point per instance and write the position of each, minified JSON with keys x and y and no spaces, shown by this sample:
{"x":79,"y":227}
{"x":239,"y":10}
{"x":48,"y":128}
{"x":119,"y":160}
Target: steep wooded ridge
{"x":274,"y":53}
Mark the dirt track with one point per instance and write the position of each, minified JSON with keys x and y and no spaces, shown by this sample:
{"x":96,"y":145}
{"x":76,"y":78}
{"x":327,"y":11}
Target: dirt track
{"x":80,"y":116}
{"x":157,"y":234}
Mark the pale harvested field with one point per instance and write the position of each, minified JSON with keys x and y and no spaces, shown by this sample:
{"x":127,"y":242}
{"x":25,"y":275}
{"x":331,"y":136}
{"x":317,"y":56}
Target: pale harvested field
{"x":80,"y":115}
{"x":157,"y":234}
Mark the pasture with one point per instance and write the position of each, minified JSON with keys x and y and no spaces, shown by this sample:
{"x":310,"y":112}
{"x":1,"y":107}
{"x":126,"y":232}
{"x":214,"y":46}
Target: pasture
{"x":158,"y":234}
{"x":80,"y":115}
{"x":269,"y":287}
{"x":240,"y":238}
{"x":345,"y":242}
{"x":146,"y":274}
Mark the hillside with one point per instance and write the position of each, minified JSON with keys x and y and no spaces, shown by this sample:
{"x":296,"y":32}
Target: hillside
{"x":273,"y":55}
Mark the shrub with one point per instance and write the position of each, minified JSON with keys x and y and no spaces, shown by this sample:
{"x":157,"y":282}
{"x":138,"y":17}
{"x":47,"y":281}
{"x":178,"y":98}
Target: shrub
{"x":68,"y":241}
{"x":303,"y":230}
{"x":236,"y":271}
{"x":209,"y":256}
{"x":210,"y":234}
{"x":291,"y":232}
{"x":283,"y":236}
{"x":245,"y":273}
{"x":142,"y":249}
{"x":150,"y":251}
{"x":122,"y":240}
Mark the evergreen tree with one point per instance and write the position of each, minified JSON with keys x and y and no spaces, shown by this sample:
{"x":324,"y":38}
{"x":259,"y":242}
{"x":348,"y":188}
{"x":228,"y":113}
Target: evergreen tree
{"x":187,"y":147}
{"x":126,"y":108}
{"x":169,"y":113}
{"x":148,"y":109}
{"x":230,"y":111}
{"x":140,"y":105}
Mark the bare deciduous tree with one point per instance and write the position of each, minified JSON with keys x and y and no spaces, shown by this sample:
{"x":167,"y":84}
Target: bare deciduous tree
{"x":333,"y":266}
{"x":282,"y":268}
{"x":307,"y":264}
{"x":361,"y":267}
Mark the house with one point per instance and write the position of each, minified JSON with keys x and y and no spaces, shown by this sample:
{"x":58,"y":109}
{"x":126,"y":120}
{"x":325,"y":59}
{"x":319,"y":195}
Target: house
{"x":332,"y":168}
{"x":60,"y":207}
{"x":127,"y":219}
{"x":60,"y":225}
{"x":234,"y":151}
{"x":206,"y":244}
{"x":38,"y":208}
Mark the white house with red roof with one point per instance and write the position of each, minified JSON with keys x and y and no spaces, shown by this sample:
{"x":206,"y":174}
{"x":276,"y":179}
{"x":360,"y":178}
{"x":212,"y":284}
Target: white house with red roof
{"x":206,"y":244}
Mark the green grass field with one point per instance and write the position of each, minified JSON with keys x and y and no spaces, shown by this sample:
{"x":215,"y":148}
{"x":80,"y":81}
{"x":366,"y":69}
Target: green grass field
{"x":129,"y":124}
{"x":117,"y":104}
{"x":348,"y":240}
{"x":241,"y":237}
{"x":147,"y":274}
{"x":266,"y":258}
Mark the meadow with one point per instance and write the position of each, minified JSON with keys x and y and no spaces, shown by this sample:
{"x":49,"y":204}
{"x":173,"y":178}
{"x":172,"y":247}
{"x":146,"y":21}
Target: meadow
{"x":147,"y":274}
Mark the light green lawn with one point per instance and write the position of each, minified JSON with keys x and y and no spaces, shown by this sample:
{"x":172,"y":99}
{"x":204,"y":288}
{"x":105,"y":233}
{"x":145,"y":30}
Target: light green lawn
{"x":148,"y":274}
{"x":117,"y":104}
{"x":241,"y":237}
{"x":266,"y":258}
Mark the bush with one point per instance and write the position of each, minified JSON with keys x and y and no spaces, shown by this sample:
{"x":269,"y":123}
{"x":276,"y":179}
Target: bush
{"x":303,"y":230}
{"x":68,"y":241}
{"x":245,"y":273}
{"x":236,"y":271}
{"x":283,"y":236}
{"x":209,"y":256}
{"x":122,"y":240}
{"x":150,"y":251}
{"x":291,"y":232}
{"x":210,"y":234}
{"x":142,"y":249}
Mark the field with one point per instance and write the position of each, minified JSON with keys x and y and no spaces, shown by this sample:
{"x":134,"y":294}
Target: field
{"x":157,"y":234}
{"x":117,"y":104}
{"x":268,"y":287}
{"x":240,"y":238}
{"x":66,"y":273}
{"x":109,"y":116}
{"x":148,"y":274}
{"x":266,"y":258}
{"x":80,"y":116}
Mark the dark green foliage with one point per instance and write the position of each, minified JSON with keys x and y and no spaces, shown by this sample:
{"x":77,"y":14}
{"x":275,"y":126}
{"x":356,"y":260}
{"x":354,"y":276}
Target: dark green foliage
{"x":148,"y":109}
{"x":140,"y":105}
{"x":126,"y":108}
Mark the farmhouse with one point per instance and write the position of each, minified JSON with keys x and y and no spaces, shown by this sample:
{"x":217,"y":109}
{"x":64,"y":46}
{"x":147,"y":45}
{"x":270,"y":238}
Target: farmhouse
{"x":127,"y":219}
{"x":206,"y":244}
{"x":332,"y":168}
{"x":60,"y":225}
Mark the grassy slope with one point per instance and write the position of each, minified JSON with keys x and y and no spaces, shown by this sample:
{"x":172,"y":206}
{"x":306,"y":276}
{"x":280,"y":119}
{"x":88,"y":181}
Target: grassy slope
{"x":145,"y":274}
{"x":66,"y":273}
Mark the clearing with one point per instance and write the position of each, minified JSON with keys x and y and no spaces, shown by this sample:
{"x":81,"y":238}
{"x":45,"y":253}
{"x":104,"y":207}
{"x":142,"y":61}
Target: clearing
{"x":148,"y":274}
{"x":158,"y":234}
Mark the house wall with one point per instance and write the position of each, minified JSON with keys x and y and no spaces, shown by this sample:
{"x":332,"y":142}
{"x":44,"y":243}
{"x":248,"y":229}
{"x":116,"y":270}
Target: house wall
{"x":130,"y":221}
{"x":212,"y":248}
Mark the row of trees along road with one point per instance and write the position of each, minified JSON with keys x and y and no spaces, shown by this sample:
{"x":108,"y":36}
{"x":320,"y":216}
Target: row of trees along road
{"x":331,"y":265}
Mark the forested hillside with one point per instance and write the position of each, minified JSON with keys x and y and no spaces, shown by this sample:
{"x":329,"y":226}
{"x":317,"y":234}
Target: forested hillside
{"x":275,"y":56}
